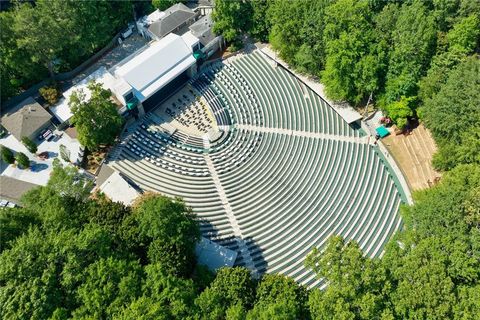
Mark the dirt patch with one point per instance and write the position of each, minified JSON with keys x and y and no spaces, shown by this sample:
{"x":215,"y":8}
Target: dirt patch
{"x":93,"y":160}
{"x":413,"y":154}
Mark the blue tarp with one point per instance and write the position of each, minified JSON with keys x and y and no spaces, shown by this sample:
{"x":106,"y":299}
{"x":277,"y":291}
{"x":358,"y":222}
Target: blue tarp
{"x":382,"y":131}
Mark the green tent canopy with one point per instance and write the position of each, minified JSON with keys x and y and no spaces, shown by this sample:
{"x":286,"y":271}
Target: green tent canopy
{"x":382,"y":131}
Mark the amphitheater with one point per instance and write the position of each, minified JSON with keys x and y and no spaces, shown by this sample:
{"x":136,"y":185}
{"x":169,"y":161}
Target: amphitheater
{"x":269,"y":168}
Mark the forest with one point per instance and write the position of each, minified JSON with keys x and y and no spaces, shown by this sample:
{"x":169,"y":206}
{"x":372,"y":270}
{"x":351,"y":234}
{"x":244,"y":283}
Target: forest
{"x":68,"y":255}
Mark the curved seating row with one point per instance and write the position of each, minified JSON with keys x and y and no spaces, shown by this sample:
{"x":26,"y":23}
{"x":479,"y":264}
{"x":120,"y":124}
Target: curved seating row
{"x":288,"y":193}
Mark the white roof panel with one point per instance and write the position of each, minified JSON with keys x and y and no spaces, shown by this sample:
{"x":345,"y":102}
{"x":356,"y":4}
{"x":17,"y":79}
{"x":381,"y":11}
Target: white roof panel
{"x":119,"y":190}
{"x":172,"y":73}
{"x":61,"y":110}
{"x":156,"y":61}
{"x":190,"y":39}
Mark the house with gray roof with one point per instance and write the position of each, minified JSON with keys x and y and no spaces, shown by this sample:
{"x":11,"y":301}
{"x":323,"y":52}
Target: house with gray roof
{"x":13,"y":189}
{"x":203,"y":30}
{"x":176,"y":19}
{"x":27,"y":119}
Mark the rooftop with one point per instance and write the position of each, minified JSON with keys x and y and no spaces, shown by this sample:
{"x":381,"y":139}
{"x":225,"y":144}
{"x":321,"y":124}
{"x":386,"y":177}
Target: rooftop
{"x":202,"y":29}
{"x":174,"y":17}
{"x":118,"y":189}
{"x":13,"y":189}
{"x":25,"y":119}
{"x":156,"y":65}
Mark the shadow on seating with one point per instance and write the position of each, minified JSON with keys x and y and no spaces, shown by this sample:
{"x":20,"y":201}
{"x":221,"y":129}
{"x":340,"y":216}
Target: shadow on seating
{"x":233,"y":243}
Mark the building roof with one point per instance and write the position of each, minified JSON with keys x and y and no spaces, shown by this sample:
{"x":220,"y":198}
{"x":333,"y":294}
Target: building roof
{"x":154,"y":16}
{"x":104,"y":173}
{"x":118,"y":87}
{"x":213,"y":255}
{"x":203,"y":29}
{"x":26,"y":118}
{"x":174,"y":17}
{"x":118,"y":189}
{"x":13,"y":189}
{"x":157,"y":65}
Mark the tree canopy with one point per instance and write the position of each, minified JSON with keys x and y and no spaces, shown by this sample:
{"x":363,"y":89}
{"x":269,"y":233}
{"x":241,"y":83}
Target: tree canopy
{"x":397,"y":55}
{"x":96,"y":119}
{"x":44,"y":37}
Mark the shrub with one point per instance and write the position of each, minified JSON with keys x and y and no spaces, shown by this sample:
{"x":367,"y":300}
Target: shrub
{"x":29,"y":144}
{"x":399,"y":111}
{"x":22,"y":160}
{"x":7,"y":155}
{"x":64,"y":153}
{"x":50,"y":94}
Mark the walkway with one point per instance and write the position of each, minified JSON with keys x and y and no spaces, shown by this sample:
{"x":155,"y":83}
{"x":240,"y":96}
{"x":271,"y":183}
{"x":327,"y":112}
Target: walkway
{"x":231,"y":217}
{"x":306,"y":134}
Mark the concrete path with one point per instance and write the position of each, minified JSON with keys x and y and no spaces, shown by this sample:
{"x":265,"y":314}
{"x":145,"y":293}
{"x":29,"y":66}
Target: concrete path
{"x":231,"y":217}
{"x":306,"y":134}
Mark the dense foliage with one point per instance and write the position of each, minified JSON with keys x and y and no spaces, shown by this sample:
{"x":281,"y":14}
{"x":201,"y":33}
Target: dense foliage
{"x":41,"y":38}
{"x":7,"y":155}
{"x":22,"y":160}
{"x":29,"y":144}
{"x":66,"y":255}
{"x":453,"y":115}
{"x":397,"y":54}
{"x":96,"y":118}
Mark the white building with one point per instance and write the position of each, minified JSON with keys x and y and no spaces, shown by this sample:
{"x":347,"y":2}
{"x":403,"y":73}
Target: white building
{"x":117,"y":189}
{"x":144,"y":78}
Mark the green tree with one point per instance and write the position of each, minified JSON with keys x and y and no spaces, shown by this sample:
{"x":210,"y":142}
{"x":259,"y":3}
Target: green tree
{"x":400,"y":111}
{"x":461,"y":40}
{"x":434,"y":263}
{"x":171,"y":230}
{"x":50,"y":94}
{"x":351,"y":66}
{"x":29,"y":144}
{"x":14,"y":223}
{"x":64,"y":153}
{"x":453,"y":116}
{"x":22,"y":160}
{"x":7,"y":154}
{"x":16,"y":67}
{"x":279,"y":297}
{"x":118,"y":221}
{"x":356,"y":285}
{"x":41,"y":31}
{"x":297,"y":29}
{"x":175,"y":295}
{"x":97,"y":119}
{"x":109,"y":285}
{"x":165,"y":4}
{"x":54,"y":35}
{"x":413,"y":41}
{"x":260,"y":26}
{"x":232,"y":286}
{"x":66,"y":180}
{"x":232,"y":19}
{"x":41,"y":271}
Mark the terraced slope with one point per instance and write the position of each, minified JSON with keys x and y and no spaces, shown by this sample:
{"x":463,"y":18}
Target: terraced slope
{"x":287,"y":174}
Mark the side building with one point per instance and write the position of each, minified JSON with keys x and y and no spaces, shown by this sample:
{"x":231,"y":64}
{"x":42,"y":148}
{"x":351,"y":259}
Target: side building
{"x":181,"y":39}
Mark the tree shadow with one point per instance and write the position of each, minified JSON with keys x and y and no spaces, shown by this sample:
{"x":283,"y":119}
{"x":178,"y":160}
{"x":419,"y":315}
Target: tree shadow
{"x":235,"y":243}
{"x":37,"y":167}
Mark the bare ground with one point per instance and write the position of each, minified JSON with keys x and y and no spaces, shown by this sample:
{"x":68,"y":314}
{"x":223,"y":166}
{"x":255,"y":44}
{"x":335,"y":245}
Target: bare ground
{"x":413,"y":154}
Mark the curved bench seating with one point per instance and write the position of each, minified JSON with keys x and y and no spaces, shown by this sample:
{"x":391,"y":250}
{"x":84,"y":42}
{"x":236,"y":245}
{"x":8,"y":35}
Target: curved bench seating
{"x":288,"y":193}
